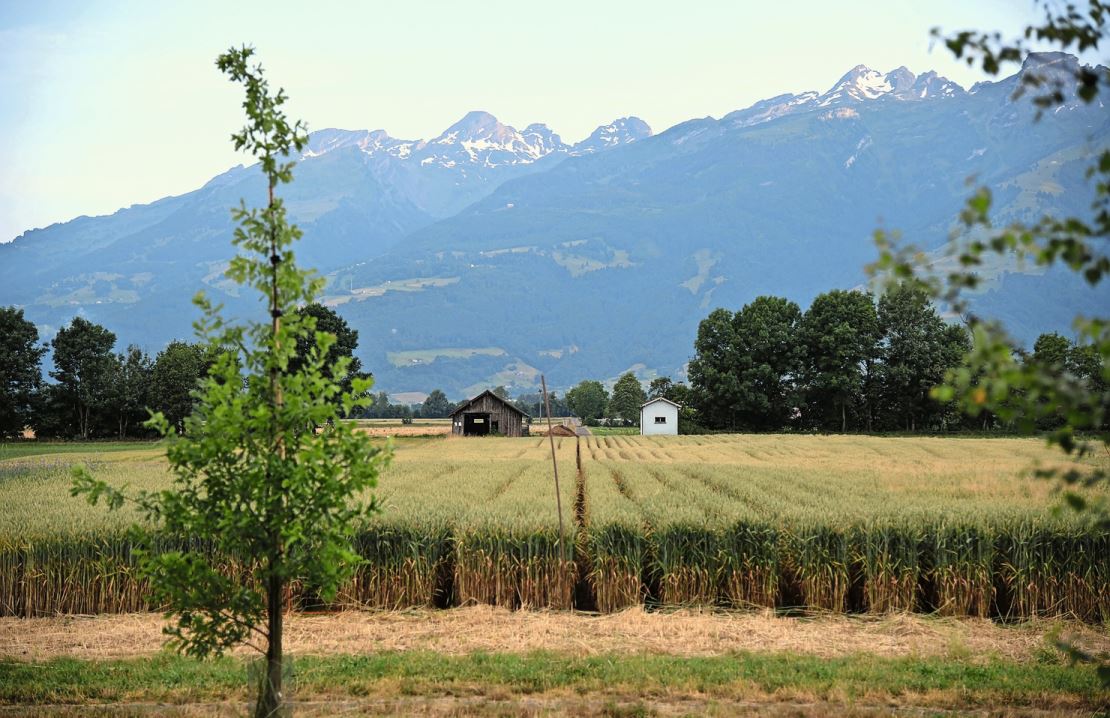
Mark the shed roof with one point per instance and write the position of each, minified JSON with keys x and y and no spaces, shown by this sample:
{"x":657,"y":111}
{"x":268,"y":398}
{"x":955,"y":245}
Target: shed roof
{"x":466,"y":404}
{"x":660,"y":398}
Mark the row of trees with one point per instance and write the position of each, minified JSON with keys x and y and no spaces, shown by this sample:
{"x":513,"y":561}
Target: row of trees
{"x":848,"y":363}
{"x":96,"y":391}
{"x":590,"y":401}
{"x":435,"y":406}
{"x":99,"y":392}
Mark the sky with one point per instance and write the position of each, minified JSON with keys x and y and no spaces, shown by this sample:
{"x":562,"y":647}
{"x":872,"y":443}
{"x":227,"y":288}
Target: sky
{"x":109,"y":104}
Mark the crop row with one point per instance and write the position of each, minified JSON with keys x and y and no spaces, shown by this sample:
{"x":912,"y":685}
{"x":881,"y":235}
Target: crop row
{"x":1016,"y":570}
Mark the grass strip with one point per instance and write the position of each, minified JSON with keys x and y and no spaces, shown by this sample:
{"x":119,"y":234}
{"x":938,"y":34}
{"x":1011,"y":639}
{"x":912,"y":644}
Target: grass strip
{"x":22,"y":449}
{"x":169,"y":678}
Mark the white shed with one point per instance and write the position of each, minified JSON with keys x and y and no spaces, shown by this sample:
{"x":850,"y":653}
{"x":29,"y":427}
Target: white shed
{"x":659,"y":416}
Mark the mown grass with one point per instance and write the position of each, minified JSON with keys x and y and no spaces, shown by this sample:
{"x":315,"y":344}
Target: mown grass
{"x":174,"y":679}
{"x":615,"y":430}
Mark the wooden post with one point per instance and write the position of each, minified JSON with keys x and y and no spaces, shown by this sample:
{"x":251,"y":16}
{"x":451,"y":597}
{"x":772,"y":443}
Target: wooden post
{"x":554,"y":463}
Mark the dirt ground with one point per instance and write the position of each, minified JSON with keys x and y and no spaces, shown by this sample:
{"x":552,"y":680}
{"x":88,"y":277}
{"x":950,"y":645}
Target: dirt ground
{"x":483,"y":628}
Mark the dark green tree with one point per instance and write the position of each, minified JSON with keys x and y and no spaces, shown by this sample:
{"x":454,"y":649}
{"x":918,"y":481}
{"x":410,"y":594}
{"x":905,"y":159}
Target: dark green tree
{"x":501,"y":391}
{"x":129,"y":393}
{"x":588,"y":400}
{"x":840,"y":335}
{"x":659,"y":387}
{"x":346,"y":342}
{"x":680,"y":394}
{"x":1085,"y":361}
{"x":251,"y":476}
{"x":1052,"y":355}
{"x":1052,"y":352}
{"x":378,"y":408}
{"x":84,"y":366}
{"x":768,"y":356}
{"x":918,"y":347}
{"x":20,"y":373}
{"x":532,"y":404}
{"x":628,"y":396}
{"x":176,"y":374}
{"x":713,"y":371}
{"x":436,"y":406}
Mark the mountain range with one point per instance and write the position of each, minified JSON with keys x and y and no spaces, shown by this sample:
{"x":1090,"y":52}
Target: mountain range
{"x":488,"y":255}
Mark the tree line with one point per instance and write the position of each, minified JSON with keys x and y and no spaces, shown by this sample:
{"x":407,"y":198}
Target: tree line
{"x":98,"y":392}
{"x":851,"y":362}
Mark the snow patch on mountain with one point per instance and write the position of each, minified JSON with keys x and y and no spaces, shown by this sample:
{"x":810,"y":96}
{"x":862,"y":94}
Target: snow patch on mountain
{"x":478,"y":139}
{"x":619,"y":132}
{"x":859,"y":85}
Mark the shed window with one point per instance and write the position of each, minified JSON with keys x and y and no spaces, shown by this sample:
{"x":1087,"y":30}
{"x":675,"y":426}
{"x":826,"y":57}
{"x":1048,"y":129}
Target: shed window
{"x":660,"y":420}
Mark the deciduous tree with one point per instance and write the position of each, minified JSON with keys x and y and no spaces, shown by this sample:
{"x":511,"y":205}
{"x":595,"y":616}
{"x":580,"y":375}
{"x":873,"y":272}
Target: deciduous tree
{"x":346,"y":342}
{"x":129,"y":393}
{"x":176,"y":374}
{"x":918,"y":347}
{"x":83,"y":367}
{"x":768,"y":356}
{"x":839,"y":333}
{"x":588,"y":400}
{"x":628,"y":396}
{"x":251,"y":476}
{"x":713,"y":370}
{"x":20,"y":375}
{"x":436,"y":406}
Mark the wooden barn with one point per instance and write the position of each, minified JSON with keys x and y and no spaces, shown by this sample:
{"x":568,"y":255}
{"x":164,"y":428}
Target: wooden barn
{"x":486,"y":414}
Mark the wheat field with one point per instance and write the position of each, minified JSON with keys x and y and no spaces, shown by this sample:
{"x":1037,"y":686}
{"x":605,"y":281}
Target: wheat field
{"x":956,"y":526}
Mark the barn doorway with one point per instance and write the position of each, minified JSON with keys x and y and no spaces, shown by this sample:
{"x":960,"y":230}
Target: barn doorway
{"x":476,"y":424}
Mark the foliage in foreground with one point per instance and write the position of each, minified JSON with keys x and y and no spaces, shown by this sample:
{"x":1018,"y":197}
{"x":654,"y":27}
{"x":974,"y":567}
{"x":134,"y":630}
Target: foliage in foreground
{"x":993,"y":379}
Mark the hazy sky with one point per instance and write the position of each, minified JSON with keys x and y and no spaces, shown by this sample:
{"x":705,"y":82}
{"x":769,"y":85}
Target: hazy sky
{"x":108,"y":104}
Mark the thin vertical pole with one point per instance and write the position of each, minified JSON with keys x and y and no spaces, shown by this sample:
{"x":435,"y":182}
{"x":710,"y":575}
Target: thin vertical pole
{"x":554,"y":463}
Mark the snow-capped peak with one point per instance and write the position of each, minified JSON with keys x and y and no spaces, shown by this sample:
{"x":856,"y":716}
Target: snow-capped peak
{"x":475,"y":125}
{"x":542,"y":138}
{"x":861,"y":84}
{"x":618,"y":132}
{"x":930,"y":84}
{"x":478,"y":139}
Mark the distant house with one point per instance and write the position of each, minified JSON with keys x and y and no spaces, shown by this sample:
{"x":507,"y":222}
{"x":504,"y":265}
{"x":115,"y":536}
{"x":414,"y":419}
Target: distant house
{"x":488,"y":413}
{"x":659,"y":416}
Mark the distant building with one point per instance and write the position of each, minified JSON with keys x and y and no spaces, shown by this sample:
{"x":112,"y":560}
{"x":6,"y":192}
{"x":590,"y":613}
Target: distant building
{"x":486,"y":414}
{"x":659,"y":416}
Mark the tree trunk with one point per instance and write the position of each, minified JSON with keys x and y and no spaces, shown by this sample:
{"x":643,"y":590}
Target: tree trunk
{"x":271,"y":700}
{"x":843,"y":417}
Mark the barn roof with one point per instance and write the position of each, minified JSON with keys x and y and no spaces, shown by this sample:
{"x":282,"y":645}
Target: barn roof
{"x":466,"y":404}
{"x":660,"y":398}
